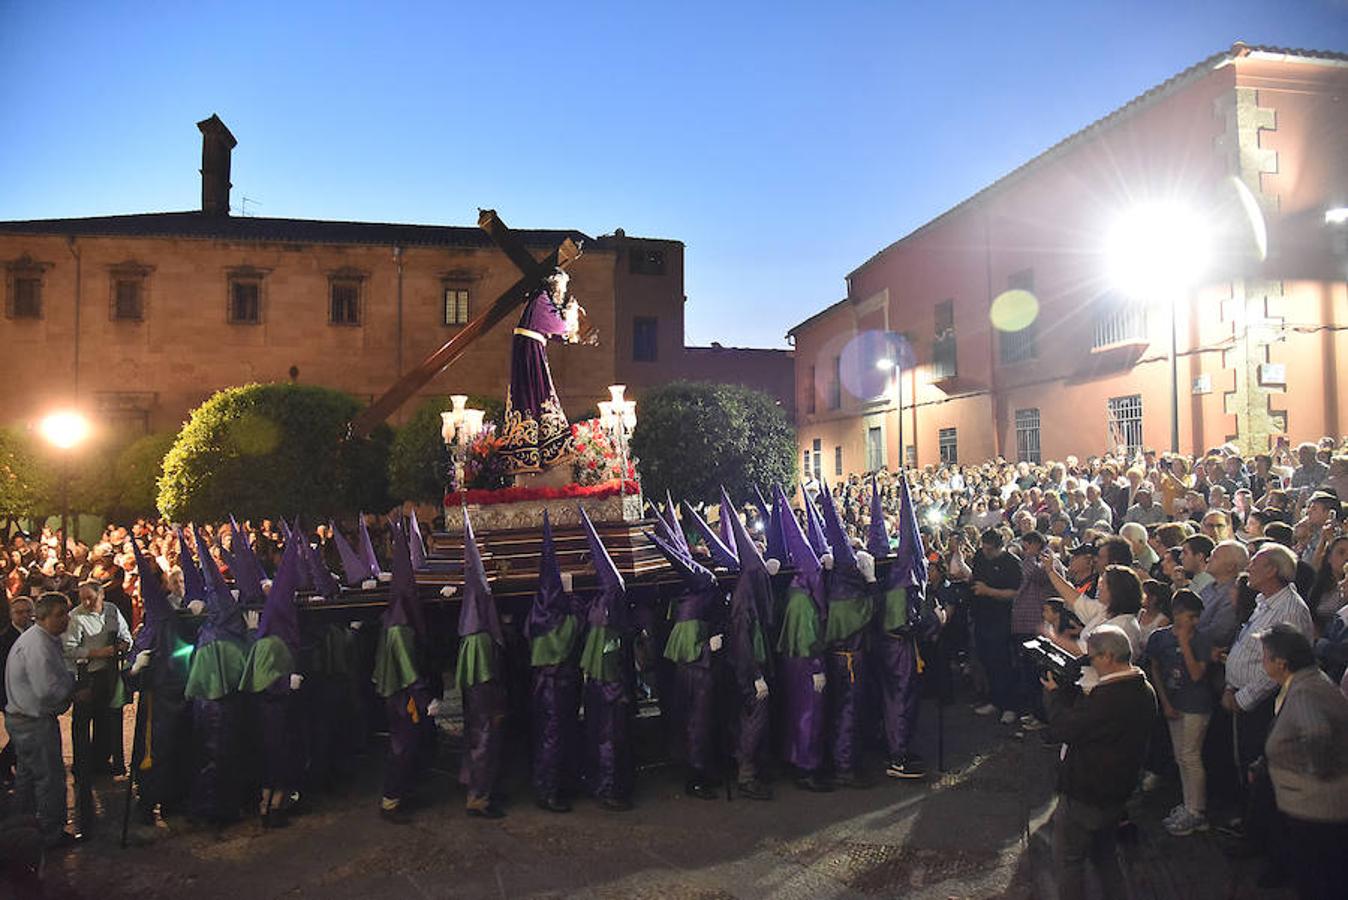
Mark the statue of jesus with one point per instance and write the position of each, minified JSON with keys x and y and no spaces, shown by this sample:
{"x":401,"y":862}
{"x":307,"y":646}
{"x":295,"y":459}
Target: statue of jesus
{"x":536,"y":433}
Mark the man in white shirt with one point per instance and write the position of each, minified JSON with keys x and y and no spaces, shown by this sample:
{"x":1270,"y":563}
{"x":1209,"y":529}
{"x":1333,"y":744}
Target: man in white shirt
{"x":39,"y":687}
{"x":1250,"y":692}
{"x":93,"y":640}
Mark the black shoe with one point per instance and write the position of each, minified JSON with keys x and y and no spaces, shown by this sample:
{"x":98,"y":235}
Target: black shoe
{"x":851,"y":780}
{"x":490,"y":811}
{"x":755,"y":790}
{"x":554,"y":804}
{"x":813,"y":783}
{"x":615,"y":804}
{"x":909,"y":767}
{"x":701,"y":789}
{"x":397,"y":815}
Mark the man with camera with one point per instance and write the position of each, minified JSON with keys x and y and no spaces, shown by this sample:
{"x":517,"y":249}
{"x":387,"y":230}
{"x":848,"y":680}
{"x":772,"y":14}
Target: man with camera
{"x":1104,"y":734}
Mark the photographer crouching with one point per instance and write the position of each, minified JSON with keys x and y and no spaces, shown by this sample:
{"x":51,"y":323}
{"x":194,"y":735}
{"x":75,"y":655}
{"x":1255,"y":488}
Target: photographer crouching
{"x":1104,"y":734}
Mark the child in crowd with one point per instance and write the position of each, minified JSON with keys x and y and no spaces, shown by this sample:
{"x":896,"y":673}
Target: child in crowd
{"x":1179,"y":655}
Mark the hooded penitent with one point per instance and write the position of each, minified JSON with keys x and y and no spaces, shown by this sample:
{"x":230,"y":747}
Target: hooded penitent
{"x":218,"y":662}
{"x":721,"y":555}
{"x":800,"y":644}
{"x":907,"y":577}
{"x":395,"y":665}
{"x":773,"y":537}
{"x":694,"y":607}
{"x":479,"y":626}
{"x":877,"y":538}
{"x":849,"y":584}
{"x":305,"y":585}
{"x":272,"y":656}
{"x":415,"y":543}
{"x":323,"y":583}
{"x":552,"y":606}
{"x":553,"y":629}
{"x":354,"y":569}
{"x":814,"y":528}
{"x":671,"y":517}
{"x":247,"y":571}
{"x":366,"y":549}
{"x":156,"y":627}
{"x":607,"y":616}
{"x":194,"y":583}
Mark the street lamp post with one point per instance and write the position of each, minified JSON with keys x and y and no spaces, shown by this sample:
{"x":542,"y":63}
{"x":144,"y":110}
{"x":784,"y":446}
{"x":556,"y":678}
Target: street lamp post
{"x":886,"y":365}
{"x":65,"y":430}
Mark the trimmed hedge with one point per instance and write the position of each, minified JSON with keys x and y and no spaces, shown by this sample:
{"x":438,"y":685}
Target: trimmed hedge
{"x":274,"y":449}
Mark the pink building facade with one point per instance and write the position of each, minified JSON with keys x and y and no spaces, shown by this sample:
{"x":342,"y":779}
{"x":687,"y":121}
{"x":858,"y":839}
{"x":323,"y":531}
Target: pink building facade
{"x":1013,"y":329}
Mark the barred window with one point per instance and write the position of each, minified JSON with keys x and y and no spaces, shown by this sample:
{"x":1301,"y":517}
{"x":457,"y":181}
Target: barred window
{"x":128,"y":299}
{"x":344,"y":301}
{"x":1027,"y":435}
{"x":646,"y":261}
{"x":1119,"y":321}
{"x":946,"y":442}
{"x":645,"y":339}
{"x":835,"y":385}
{"x":837,"y":461}
{"x":245,"y":300}
{"x":25,"y":296}
{"x":1125,"y":423}
{"x":1019,"y":346}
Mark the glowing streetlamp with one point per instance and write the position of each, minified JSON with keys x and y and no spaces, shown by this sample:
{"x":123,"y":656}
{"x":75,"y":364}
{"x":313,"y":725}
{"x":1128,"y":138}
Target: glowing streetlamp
{"x":1160,"y":250}
{"x":65,"y":430}
{"x":459,"y":426}
{"x":618,"y":417}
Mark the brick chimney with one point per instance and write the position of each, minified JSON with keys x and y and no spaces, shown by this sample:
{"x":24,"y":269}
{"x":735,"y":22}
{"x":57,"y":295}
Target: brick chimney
{"x":216,"y":145}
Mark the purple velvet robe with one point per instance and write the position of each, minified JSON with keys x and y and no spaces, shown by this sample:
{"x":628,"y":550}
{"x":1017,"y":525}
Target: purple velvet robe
{"x":536,"y":432}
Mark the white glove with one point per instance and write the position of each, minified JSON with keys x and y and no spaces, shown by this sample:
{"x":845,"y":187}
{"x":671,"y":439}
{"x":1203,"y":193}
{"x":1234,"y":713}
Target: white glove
{"x":448,"y":591}
{"x":715,"y":642}
{"x":566,"y":582}
{"x":760,"y":689}
{"x":369,"y":584}
{"x":866,"y":565}
{"x":433,"y":708}
{"x":818,"y":680}
{"x":355,"y":625}
{"x":250,"y":619}
{"x":826,"y":560}
{"x":142,"y":660}
{"x":235,"y":593}
{"x":385,"y":577}
{"x":295,"y":681}
{"x":772,"y":565}
{"x":196,"y":607}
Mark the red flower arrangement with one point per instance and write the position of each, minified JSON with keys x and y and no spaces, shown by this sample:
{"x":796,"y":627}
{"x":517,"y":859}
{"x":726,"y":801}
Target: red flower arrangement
{"x":566,"y":492}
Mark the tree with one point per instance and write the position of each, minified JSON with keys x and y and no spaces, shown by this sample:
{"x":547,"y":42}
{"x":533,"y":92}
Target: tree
{"x":274,"y":449}
{"x":418,"y":461}
{"x":693,"y":437}
{"x":137,"y":472}
{"x":25,"y":478}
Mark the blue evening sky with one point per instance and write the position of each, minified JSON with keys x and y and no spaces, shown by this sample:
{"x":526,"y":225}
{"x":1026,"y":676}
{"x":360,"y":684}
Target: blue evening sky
{"x":783,"y":142}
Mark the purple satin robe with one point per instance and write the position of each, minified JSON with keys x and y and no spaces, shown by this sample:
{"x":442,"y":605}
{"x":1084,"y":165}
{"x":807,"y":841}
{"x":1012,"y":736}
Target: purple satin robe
{"x":896,"y":666}
{"x":555,"y":722}
{"x":804,"y":710}
{"x":536,"y":433}
{"x":607,"y":742}
{"x":215,"y":733}
{"x":484,"y":707}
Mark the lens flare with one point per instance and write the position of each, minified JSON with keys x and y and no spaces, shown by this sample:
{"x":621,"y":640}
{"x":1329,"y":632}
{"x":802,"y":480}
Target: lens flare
{"x":1014,"y":310}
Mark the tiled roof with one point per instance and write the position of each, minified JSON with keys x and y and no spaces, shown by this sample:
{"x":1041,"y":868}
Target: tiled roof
{"x":817,"y":316}
{"x":301,"y":231}
{"x":1238,"y":50}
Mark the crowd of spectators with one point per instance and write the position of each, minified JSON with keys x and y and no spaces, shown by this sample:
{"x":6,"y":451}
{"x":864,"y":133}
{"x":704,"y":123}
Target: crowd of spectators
{"x":1224,"y":579}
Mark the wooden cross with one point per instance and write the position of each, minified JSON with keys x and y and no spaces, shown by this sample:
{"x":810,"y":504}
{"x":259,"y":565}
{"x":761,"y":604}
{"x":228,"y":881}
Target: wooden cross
{"x":532,"y":273}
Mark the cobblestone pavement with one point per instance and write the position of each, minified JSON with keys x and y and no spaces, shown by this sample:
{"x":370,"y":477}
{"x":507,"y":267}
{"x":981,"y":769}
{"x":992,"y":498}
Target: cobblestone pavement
{"x":973,"y":832}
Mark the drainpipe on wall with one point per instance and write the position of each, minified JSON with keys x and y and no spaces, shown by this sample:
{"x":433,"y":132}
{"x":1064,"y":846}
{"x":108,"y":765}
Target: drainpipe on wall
{"x":398,"y":259}
{"x":75,"y":252}
{"x":992,"y":341}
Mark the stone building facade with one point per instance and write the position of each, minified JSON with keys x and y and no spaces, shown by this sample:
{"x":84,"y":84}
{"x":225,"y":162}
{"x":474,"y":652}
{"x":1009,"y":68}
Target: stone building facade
{"x":138,"y":318}
{"x":1013,"y":337}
